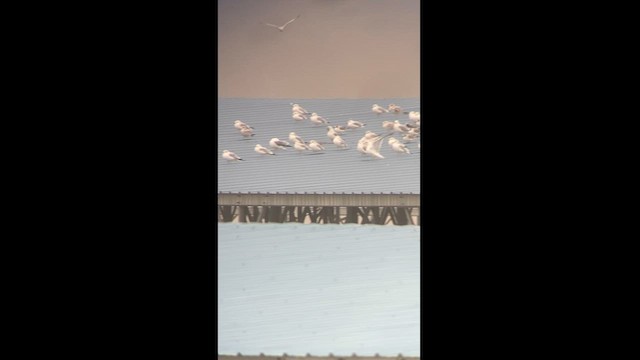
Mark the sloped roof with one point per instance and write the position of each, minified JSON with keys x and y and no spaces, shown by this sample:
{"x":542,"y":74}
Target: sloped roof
{"x":334,"y":170}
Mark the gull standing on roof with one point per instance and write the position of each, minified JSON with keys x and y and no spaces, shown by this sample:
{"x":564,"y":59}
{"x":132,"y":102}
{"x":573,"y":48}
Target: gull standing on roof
{"x":388,"y":125}
{"x":230,"y":156}
{"x":315,"y":146}
{"x":300,"y":146}
{"x":293,"y":138}
{"x":299,"y":116}
{"x":246,"y":132}
{"x":397,"y":146}
{"x":394,"y":108}
{"x":298,"y":108}
{"x":410,"y":136}
{"x":263,"y":150}
{"x":331,"y":132}
{"x":414,"y":116}
{"x":378,"y":109}
{"x":354,"y":124}
{"x":340,"y":143}
{"x":317,"y":119}
{"x":281,"y":28}
{"x":400,"y":127}
{"x":239,"y":125}
{"x":339,"y":129}
{"x":276,"y":143}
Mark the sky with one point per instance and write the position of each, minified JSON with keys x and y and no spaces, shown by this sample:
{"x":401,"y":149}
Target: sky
{"x":336,"y":49}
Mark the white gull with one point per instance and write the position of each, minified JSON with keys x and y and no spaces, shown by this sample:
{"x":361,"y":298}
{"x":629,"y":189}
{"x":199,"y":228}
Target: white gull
{"x":230,"y":156}
{"x":298,"y":116}
{"x":378,"y":109}
{"x":238,"y":124}
{"x":281,"y":28}
{"x":263,"y":150}
{"x":300,"y":146}
{"x":340,"y":143}
{"x":331,"y":132}
{"x":293,"y":137}
{"x":246,"y":132}
{"x":315,"y":146}
{"x":276,"y":143}
{"x":397,"y":146}
{"x":354,"y":124}
{"x":317,"y":119}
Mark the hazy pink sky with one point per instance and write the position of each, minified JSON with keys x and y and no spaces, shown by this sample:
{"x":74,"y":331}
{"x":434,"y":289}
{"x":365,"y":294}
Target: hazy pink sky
{"x":336,"y":49}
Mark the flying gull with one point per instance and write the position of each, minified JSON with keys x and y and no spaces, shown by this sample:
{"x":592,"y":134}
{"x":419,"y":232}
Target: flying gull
{"x":281,"y":28}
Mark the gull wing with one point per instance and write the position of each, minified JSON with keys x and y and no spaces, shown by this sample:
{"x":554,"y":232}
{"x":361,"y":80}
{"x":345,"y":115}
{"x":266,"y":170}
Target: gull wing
{"x":290,"y":21}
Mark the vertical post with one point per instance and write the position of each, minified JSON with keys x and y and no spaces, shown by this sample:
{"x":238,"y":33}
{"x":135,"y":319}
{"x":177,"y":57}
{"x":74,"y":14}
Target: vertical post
{"x":352,"y":214}
{"x":242,"y":213}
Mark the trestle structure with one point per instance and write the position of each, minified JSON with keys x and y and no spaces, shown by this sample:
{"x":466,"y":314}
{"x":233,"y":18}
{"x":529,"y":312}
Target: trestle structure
{"x":334,"y":208}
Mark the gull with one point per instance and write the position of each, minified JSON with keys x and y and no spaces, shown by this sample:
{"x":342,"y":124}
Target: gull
{"x":414,"y":116}
{"x":298,"y":108}
{"x":246,"y":132}
{"x":370,"y":134}
{"x":363,"y":143}
{"x":372,"y":146}
{"x":293,"y":137}
{"x":378,"y":109}
{"x":279,"y":144}
{"x":353,"y":124}
{"x":239,"y":125}
{"x":299,"y":116}
{"x":263,"y":150}
{"x":331,"y":132}
{"x":300,"y":146}
{"x":387,"y":125}
{"x":395,"y":108}
{"x":410,"y":136}
{"x":315,"y":146}
{"x":339,"y":129}
{"x":400,"y":127}
{"x":397,"y":146}
{"x":281,"y":28}
{"x":317,"y":119}
{"x":339,"y":141}
{"x":230,"y":156}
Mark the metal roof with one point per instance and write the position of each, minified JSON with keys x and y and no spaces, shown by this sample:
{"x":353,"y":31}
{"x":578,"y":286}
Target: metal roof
{"x":334,"y":170}
{"x":318,"y":288}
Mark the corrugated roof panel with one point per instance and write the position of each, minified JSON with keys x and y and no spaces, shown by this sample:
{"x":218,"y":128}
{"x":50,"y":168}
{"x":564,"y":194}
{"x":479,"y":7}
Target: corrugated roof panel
{"x":314,"y":288}
{"x":334,"y":170}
